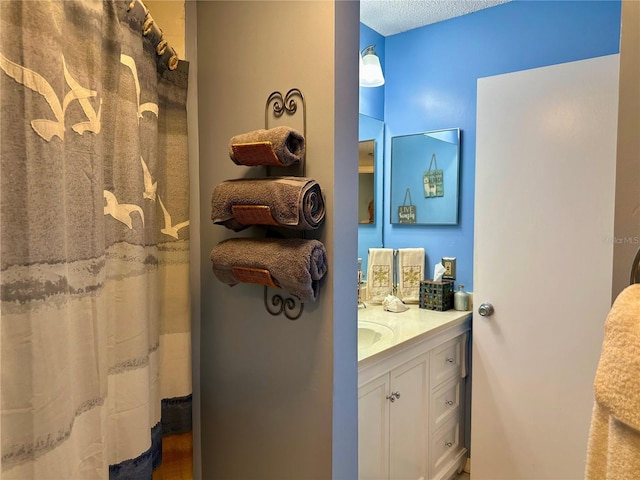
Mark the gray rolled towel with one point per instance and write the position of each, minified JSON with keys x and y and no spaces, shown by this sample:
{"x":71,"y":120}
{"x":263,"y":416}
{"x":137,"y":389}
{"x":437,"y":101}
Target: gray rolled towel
{"x":294,"y":202}
{"x":280,"y":146}
{"x":295,"y":264}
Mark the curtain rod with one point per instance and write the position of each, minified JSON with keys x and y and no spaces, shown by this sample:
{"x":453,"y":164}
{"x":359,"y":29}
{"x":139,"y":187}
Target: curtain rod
{"x":150,"y":29}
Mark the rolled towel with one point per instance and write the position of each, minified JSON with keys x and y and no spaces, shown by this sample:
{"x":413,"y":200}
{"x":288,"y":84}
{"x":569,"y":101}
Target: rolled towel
{"x":280,"y":146}
{"x":293,"y":202}
{"x":295,"y":264}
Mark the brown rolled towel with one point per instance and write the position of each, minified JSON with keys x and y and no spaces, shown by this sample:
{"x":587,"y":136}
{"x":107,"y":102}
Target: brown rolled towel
{"x":293,"y":202}
{"x":295,"y":264}
{"x":281,"y":146}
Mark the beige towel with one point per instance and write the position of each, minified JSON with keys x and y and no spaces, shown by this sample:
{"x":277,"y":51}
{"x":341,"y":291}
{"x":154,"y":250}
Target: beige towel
{"x":614,"y":437}
{"x":410,"y":273}
{"x":295,"y":264}
{"x":379,"y":274}
{"x":293,"y":202}
{"x":281,"y":146}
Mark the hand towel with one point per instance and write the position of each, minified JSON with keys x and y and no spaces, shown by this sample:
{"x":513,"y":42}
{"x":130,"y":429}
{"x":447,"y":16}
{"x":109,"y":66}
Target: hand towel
{"x":410,"y":273}
{"x":293,"y":202}
{"x":295,"y":264}
{"x":614,"y":436}
{"x":379,"y":274}
{"x":280,"y":146}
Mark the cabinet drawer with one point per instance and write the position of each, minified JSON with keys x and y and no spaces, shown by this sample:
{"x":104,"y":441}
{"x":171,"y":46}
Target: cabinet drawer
{"x":445,"y":444}
{"x":446,"y":361}
{"x":445,"y":402}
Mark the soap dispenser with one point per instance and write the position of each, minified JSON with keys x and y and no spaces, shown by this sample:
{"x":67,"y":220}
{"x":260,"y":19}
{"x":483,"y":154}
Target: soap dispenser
{"x":461,"y":299}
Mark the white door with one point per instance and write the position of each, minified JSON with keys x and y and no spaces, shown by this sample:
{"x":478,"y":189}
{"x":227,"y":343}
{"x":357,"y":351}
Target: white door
{"x":545,"y":169}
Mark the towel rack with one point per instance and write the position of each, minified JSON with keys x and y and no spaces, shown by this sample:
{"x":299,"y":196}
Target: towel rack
{"x":288,"y":105}
{"x":290,"y":307}
{"x":635,"y":269}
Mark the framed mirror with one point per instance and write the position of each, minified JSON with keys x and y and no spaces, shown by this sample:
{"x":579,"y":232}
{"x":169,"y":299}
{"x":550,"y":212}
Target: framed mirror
{"x":366,"y":181}
{"x":370,"y":185}
{"x":425,"y":178}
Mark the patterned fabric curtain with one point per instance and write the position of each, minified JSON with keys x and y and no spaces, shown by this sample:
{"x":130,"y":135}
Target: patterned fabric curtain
{"x":95,"y":327}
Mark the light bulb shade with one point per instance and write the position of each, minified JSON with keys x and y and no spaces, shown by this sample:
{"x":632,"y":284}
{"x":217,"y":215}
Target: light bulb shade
{"x":370,"y":69}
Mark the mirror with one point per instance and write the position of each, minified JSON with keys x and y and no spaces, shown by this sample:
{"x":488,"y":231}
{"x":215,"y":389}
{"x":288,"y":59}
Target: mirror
{"x":425,"y":178}
{"x":366,"y":184}
{"x":370,"y":184}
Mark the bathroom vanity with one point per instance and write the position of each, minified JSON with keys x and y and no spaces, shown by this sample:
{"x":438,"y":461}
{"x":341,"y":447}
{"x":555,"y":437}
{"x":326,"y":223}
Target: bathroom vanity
{"x":412,"y":368}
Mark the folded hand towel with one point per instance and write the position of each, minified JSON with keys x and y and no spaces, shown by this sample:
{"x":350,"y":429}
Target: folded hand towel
{"x":410,"y":273}
{"x":379,"y":274}
{"x":293,"y":202}
{"x":614,"y":436}
{"x":279,"y":146}
{"x":295,"y":264}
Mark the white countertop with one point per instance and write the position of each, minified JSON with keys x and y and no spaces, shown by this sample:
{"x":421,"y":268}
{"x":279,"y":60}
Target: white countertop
{"x":392,"y":329}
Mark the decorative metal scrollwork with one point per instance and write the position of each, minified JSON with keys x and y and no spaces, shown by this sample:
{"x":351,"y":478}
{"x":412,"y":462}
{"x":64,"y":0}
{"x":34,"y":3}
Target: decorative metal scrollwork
{"x":278,"y":105}
{"x":283,"y":306}
{"x":287,"y":104}
{"x":283,"y":104}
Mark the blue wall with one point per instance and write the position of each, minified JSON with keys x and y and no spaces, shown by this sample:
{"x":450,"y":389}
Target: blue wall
{"x":431,"y":75}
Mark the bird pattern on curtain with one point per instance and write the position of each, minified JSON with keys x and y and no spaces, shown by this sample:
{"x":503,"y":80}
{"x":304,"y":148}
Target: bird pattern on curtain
{"x":94,"y":247}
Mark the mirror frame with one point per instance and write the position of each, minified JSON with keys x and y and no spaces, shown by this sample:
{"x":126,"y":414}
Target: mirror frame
{"x":371,"y":235}
{"x":363,"y":204}
{"x":425,"y":208}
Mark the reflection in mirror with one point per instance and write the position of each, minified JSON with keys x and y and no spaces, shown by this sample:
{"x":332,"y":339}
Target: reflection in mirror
{"x":366,"y":205}
{"x":370,"y":235}
{"x":424,"y":178}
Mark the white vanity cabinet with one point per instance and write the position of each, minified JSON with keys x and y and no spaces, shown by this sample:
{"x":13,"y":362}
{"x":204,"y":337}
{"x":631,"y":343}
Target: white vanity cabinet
{"x":411,"y":407}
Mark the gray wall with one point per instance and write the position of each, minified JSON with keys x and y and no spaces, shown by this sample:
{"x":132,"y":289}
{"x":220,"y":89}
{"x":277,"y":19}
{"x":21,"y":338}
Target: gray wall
{"x":278,"y":398}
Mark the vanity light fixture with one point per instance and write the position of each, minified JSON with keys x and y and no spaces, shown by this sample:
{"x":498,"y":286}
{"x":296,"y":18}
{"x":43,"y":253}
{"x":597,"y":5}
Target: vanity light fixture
{"x":370,"y":69}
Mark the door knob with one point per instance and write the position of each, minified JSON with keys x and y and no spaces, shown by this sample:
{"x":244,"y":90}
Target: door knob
{"x":486,"y":309}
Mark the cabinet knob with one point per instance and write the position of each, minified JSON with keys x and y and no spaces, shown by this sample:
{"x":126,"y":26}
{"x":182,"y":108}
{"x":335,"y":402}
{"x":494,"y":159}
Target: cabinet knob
{"x":449,"y":402}
{"x":393,"y":396}
{"x":451,"y":360}
{"x":449,"y":444}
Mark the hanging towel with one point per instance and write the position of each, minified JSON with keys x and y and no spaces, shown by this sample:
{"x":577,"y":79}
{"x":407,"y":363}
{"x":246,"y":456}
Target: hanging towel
{"x":410,"y":273}
{"x":379,"y":274}
{"x":295,"y":264}
{"x":614,"y":437}
{"x":279,"y":146}
{"x":293,"y":202}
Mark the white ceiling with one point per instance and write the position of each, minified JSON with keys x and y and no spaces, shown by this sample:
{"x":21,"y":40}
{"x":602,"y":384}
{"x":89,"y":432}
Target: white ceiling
{"x":388,"y":17}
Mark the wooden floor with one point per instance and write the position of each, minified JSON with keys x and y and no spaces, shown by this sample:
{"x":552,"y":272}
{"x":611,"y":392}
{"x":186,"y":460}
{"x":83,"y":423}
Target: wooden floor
{"x":177,"y":461}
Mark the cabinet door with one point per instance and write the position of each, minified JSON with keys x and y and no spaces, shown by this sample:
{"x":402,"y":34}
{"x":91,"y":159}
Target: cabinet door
{"x":373,"y":430}
{"x":409,"y":420}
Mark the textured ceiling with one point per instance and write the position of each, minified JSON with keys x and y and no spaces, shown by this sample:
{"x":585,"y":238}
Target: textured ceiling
{"x":388,"y":17}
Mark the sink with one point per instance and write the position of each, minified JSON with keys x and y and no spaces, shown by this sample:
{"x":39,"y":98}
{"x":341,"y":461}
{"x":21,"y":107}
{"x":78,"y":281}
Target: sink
{"x":370,"y":333}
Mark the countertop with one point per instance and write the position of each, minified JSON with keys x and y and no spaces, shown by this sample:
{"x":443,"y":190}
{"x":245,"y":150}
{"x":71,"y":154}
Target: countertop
{"x":392,"y":329}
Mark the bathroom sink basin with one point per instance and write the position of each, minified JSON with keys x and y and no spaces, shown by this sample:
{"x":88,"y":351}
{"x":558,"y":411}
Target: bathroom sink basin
{"x":370,"y":333}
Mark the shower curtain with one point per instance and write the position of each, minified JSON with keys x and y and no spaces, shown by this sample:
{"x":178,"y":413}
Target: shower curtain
{"x":94,"y":244}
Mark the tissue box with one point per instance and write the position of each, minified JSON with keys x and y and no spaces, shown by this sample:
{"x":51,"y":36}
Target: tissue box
{"x":436,"y":295}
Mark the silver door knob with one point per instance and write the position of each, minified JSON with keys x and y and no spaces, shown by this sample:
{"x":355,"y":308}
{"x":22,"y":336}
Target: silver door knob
{"x":486,"y":309}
